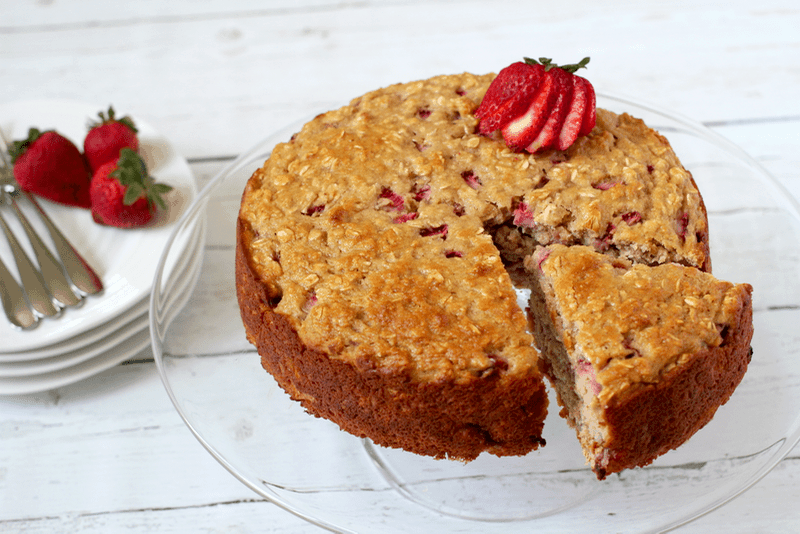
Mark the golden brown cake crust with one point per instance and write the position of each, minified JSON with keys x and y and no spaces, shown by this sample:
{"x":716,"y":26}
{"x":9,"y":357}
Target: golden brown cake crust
{"x":682,"y":402}
{"x":496,"y":412}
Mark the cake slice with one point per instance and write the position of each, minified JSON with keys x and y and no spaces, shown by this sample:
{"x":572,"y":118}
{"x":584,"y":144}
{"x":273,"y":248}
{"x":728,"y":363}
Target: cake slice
{"x":640,"y":356}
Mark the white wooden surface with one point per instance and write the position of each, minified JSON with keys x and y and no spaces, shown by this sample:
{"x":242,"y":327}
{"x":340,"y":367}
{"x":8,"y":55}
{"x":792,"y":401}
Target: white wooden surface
{"x":110,"y":454}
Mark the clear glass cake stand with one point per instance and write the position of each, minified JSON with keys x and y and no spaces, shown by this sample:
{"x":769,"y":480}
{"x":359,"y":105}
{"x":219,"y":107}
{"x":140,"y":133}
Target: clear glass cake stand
{"x":344,"y":484}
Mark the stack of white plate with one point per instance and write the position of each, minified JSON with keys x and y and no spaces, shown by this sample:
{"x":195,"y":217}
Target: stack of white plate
{"x":110,"y":327}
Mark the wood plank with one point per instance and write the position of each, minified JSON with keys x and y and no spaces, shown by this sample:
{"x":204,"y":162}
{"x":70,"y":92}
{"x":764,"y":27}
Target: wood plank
{"x":56,"y":16}
{"x":217,"y":85}
{"x":110,"y":443}
{"x":237,"y":517}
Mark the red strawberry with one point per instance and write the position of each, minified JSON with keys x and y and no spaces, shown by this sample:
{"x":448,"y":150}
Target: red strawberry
{"x":508,"y":96}
{"x":551,"y":112}
{"x":51,"y":166}
{"x":124,"y":194}
{"x":554,"y":118}
{"x":590,"y":115}
{"x":107,"y":137}
{"x":521,"y":132}
{"x":548,"y":137}
{"x":574,"y":119}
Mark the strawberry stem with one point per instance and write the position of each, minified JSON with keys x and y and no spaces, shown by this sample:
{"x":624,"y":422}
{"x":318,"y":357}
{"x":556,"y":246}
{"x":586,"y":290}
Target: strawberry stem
{"x":109,"y":117}
{"x":548,"y":64}
{"x":17,"y":148}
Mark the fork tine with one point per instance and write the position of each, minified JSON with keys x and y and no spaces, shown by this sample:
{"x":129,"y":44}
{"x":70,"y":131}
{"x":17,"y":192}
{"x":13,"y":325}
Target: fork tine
{"x":3,"y":156}
{"x":32,"y":280}
{"x":16,"y":308}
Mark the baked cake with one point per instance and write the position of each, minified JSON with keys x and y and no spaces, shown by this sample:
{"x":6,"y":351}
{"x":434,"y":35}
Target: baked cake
{"x":376,"y":249}
{"x":641,"y":357}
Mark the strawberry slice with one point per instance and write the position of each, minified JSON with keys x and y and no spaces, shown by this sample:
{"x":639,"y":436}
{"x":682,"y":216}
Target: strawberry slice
{"x":520,"y":132}
{"x":573,"y":122}
{"x":590,"y":114}
{"x":548,"y":136}
{"x":508,"y":96}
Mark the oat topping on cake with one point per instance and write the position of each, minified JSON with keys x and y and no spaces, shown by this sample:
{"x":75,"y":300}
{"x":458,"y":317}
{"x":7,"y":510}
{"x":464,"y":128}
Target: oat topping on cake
{"x":391,"y":197}
{"x":633,"y":322}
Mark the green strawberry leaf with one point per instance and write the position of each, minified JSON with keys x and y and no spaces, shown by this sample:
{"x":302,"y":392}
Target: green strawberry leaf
{"x":131,"y":172}
{"x":155,"y":192}
{"x":110,"y":116}
{"x":17,"y":148}
{"x":161,"y":189}
{"x":548,"y":64}
{"x":127,"y":121}
{"x":132,"y":193}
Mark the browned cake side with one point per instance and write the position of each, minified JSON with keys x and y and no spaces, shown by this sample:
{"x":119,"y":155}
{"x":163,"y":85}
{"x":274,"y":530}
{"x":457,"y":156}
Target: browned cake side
{"x":641,"y":357}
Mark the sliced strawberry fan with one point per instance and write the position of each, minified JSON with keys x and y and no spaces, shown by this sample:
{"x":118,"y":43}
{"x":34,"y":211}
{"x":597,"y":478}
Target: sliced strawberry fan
{"x":538,"y":105}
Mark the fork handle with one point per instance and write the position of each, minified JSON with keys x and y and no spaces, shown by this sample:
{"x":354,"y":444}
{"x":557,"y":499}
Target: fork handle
{"x":52,"y":272}
{"x":16,"y":309}
{"x":32,"y":280}
{"x":81,"y":274}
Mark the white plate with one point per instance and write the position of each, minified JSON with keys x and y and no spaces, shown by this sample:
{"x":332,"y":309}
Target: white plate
{"x":79,"y":341}
{"x":123,"y":331}
{"x":136,"y":346}
{"x":25,"y":371}
{"x":311,"y":468}
{"x":125,"y":259}
{"x":82,"y":341}
{"x":122,"y":348}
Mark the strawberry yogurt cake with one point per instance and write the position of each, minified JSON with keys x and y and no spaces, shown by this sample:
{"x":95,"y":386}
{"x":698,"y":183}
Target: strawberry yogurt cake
{"x":379,"y":249}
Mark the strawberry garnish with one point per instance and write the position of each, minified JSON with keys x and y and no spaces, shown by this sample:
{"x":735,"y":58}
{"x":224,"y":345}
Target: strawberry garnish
{"x":107,"y":137}
{"x":574,"y":120}
{"x":51,"y":166}
{"x":590,"y":113}
{"x":538,"y":105}
{"x":522,"y":130}
{"x":563,"y":88}
{"x":124,"y":194}
{"x":508,"y":96}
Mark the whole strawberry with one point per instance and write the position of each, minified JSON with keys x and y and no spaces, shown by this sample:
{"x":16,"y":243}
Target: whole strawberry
{"x":107,"y":137}
{"x":538,"y":105}
{"x":51,"y":166}
{"x":123,"y":194}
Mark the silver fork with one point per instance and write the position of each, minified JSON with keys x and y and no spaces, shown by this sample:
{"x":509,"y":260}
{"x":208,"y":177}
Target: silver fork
{"x":33,"y":282}
{"x":14,"y":304}
{"x":52,"y":272}
{"x":40,"y":287}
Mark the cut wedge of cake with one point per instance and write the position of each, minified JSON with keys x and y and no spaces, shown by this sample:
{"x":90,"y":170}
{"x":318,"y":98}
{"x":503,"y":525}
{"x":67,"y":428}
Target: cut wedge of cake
{"x":641,"y":356}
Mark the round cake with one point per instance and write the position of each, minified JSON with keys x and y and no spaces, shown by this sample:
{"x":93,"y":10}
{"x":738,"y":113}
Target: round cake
{"x":378,"y":251}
